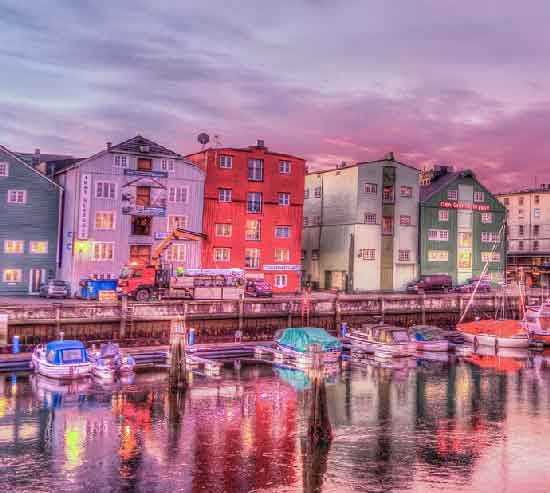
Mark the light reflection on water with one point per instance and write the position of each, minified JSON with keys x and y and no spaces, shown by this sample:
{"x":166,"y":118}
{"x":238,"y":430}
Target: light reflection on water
{"x":478,"y":424}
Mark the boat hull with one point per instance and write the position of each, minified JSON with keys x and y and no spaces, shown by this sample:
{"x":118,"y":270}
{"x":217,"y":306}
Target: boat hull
{"x":69,"y":371}
{"x":435,"y":346}
{"x":492,"y":340}
{"x":329,"y":357}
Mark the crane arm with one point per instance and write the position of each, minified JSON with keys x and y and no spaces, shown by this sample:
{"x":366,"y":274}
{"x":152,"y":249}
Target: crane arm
{"x":176,"y":234}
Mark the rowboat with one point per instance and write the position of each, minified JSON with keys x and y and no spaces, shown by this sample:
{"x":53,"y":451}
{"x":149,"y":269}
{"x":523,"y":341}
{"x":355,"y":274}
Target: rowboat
{"x":65,"y":359}
{"x":495,"y":333}
{"x":294,"y":343}
{"x":382,"y":340}
{"x":428,"y":338}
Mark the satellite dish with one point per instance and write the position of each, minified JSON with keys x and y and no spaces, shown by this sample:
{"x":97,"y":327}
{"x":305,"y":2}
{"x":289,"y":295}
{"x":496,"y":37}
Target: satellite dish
{"x":203,"y":138}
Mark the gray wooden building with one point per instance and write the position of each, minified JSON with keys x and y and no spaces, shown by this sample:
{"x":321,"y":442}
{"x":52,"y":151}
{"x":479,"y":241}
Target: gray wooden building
{"x":29,"y":226}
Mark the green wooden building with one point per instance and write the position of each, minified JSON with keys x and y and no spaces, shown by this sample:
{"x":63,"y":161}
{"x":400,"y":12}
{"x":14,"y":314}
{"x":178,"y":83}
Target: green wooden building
{"x":29,"y":226}
{"x":461,"y":227}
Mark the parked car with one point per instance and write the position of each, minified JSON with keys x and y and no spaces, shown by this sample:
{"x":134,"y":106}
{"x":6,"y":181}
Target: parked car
{"x":431,"y":282}
{"x":55,"y":289}
{"x":258,"y":288}
{"x":470,"y":285}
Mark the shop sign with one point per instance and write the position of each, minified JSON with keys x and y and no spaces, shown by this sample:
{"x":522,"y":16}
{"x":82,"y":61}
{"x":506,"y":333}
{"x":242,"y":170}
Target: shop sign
{"x":84,"y":206}
{"x":152,"y":174}
{"x":283,"y":267}
{"x":445,"y":204}
{"x":159,"y":235}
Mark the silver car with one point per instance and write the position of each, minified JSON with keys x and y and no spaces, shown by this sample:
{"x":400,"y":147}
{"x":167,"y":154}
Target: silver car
{"x":55,"y":289}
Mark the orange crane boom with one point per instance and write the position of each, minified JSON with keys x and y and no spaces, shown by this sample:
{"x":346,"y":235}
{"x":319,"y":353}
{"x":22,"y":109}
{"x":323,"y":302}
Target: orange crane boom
{"x":176,"y":234}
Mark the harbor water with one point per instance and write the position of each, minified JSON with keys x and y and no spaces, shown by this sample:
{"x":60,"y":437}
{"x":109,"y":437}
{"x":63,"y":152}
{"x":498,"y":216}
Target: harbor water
{"x":469,"y":423}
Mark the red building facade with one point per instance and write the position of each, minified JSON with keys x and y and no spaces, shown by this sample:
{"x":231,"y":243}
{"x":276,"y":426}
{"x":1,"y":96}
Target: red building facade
{"x":253,"y":201}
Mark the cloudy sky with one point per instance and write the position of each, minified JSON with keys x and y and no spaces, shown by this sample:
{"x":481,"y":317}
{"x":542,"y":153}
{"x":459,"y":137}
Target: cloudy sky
{"x":436,"y":81}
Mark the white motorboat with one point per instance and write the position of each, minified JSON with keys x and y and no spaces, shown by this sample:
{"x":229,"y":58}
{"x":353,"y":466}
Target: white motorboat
{"x":428,"y":338}
{"x":382,"y":340}
{"x":67,"y":360}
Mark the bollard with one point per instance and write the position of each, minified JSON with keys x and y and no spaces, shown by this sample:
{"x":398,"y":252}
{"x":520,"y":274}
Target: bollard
{"x":61,"y":335}
{"x":15,"y":345}
{"x":344,"y":329}
{"x":191,"y":337}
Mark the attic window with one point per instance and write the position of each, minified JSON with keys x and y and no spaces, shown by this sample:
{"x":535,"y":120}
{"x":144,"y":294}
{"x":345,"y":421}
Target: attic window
{"x":121,"y":161}
{"x":144,"y":148}
{"x":4,"y":168}
{"x":452,"y":194}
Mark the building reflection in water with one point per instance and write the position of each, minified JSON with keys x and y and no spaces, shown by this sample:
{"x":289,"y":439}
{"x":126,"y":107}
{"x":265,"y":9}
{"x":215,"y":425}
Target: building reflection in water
{"x":397,"y":425}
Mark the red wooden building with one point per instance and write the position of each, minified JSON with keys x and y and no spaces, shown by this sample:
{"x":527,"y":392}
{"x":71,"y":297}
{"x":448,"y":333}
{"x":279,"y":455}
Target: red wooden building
{"x":253,"y":201}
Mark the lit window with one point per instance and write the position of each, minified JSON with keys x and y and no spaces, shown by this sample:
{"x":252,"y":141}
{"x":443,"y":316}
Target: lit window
{"x":17,"y":196}
{"x":177,"y":222}
{"x":317,"y":192}
{"x":223,"y":229}
{"x":284,"y":167}
{"x":388,"y":195}
{"x":438,"y":234}
{"x":105,"y":190}
{"x":102,"y":251}
{"x":254,"y":202}
{"x":13,"y":275}
{"x":167,"y":165}
{"x":255,"y":169}
{"x":489,"y":237}
{"x":104,"y":220}
{"x":284,"y":198}
{"x":438,"y":256}
{"x":225,"y":162}
{"x":479,"y":196}
{"x":486,"y":218}
{"x":490,"y":257}
{"x":4,"y":168}
{"x":405,"y":191}
{"x":178,"y":194}
{"x":222,"y":254}
{"x":405,"y":220}
{"x":404,"y":255}
{"x":176,"y":253}
{"x":252,"y":258}
{"x":387,"y":225}
{"x":371,"y":188}
{"x":370,"y":218}
{"x":452,"y":194}
{"x":282,"y":231}
{"x":38,"y":247}
{"x":367,"y":253}
{"x":14,"y":246}
{"x":281,"y":280}
{"x":224,"y":195}
{"x":443,"y":215}
{"x":282,"y":255}
{"x":252,"y":231}
{"x":121,"y":161}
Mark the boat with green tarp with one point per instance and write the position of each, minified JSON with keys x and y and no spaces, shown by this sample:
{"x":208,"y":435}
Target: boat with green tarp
{"x":295,"y":342}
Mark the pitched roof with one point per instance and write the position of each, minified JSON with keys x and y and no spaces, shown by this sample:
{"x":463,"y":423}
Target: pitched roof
{"x":361,"y":163}
{"x":428,"y":191}
{"x":136,"y":143}
{"x":33,"y":159}
{"x":18,"y":159}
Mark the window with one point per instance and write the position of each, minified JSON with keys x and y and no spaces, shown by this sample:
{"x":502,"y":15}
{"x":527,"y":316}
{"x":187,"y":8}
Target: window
{"x":4,"y":168}
{"x":405,"y":191}
{"x":306,"y":221}
{"x":144,"y":164}
{"x":282,"y":231}
{"x":281,"y":280}
{"x":404,"y":255}
{"x":536,"y":230}
{"x":224,"y":195}
{"x":387,"y":225}
{"x":388,"y":195}
{"x":520,"y":200}
{"x":317,"y":192}
{"x":303,"y":255}
{"x":489,"y":237}
{"x":13,"y":275}
{"x":486,"y":217}
{"x":225,"y":162}
{"x":284,"y":198}
{"x":371,"y":188}
{"x":521,"y":230}
{"x":282,"y":255}
{"x":102,"y":251}
{"x":140,"y":254}
{"x":178,"y":194}
{"x":490,"y":257}
{"x":520,"y":212}
{"x":222,"y":254}
{"x":104,"y":220}
{"x":536,"y":198}
{"x":141,"y":225}
{"x":176,"y":253}
{"x":143,"y":196}
{"x":284,"y":167}
{"x":252,"y":258}
{"x":14,"y":246}
{"x":121,"y":161}
{"x":535,"y":245}
{"x":255,"y":169}
{"x":306,"y":193}
{"x":443,"y":215}
{"x":252,"y":231}
{"x":17,"y":196}
{"x":479,"y":196}
{"x":314,"y":254}
{"x":367,"y":253}
{"x":316,"y":220}
{"x":223,"y":229}
{"x":370,"y":218}
{"x":176,"y":222}
{"x":167,"y":165}
{"x":520,"y":245}
{"x":506,"y":201}
{"x":254,"y":202}
{"x":536,"y":212}
{"x":38,"y":247}
{"x":438,"y":256}
{"x":405,"y":220}
{"x":105,"y":190}
{"x":438,"y":234}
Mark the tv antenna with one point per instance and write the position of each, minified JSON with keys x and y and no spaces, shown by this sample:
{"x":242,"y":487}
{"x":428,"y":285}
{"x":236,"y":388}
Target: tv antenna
{"x":203,"y":139}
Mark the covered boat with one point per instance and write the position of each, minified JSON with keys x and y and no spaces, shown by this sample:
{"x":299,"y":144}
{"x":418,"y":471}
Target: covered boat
{"x":109,"y":362}
{"x":296,"y":341}
{"x":495,"y":333}
{"x":428,"y":338}
{"x":382,"y":340}
{"x":61,"y":359}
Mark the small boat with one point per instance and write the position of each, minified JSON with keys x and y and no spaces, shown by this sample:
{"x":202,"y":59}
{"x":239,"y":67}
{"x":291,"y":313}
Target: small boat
{"x":428,"y":338}
{"x":382,"y":340}
{"x":67,"y":360}
{"x":537,"y":320}
{"x":108,"y":362}
{"x":294,"y":342}
{"x":495,"y":333}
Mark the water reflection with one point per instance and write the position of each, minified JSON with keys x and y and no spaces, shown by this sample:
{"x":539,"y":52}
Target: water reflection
{"x":468,"y":423}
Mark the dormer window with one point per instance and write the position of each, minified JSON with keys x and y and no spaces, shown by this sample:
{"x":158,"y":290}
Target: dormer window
{"x":121,"y":160}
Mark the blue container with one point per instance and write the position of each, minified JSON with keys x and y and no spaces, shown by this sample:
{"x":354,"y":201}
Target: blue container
{"x":344,"y":329}
{"x":90,"y":288}
{"x":191,"y":337}
{"x":15,"y":345}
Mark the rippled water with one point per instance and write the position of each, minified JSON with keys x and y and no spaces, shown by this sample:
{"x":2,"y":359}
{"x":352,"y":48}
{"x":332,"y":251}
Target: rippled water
{"x":478,"y":423}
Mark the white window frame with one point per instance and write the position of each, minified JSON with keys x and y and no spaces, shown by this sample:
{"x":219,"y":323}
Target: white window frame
{"x":438,"y":234}
{"x":225,"y":194}
{"x":225,"y":161}
{"x":224,"y":230}
{"x":175,"y":194}
{"x":479,"y":196}
{"x":255,"y":169}
{"x":281,"y":280}
{"x":285,"y":167}
{"x":226,"y":254}
{"x":371,"y":188}
{"x":317,"y":192}
{"x":452,"y":194}
{"x":408,"y":191}
{"x":437,"y":255}
{"x":306,"y":221}
{"x":177,"y":253}
{"x":112,"y":187}
{"x":170,"y":221}
{"x":251,"y":202}
{"x":4,"y":169}
{"x":19,"y":275}
{"x":18,"y":194}
{"x":404,"y":255}
{"x":487,"y":217}
{"x":536,"y":212}
{"x":279,"y":229}
{"x":367,"y":253}
{"x":405,"y":220}
{"x":255,"y":258}
{"x":490,"y":257}
{"x":286,"y":198}
{"x":306,"y":193}
{"x":120,"y":161}
{"x":258,"y":231}
{"x":112,"y":213}
{"x":101,"y":259}
{"x":282,"y":258}
{"x":12,"y":244}
{"x":167,"y":165}
{"x":443,"y":215}
{"x":32,"y":245}
{"x":370,"y":218}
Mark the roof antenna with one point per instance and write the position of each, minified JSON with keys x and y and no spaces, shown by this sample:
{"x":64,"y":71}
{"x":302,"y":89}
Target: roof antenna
{"x":217,"y":142}
{"x":203,"y":139}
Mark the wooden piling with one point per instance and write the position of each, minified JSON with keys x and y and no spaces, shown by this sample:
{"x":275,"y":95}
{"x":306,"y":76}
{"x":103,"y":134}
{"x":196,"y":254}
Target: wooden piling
{"x":338,"y":314}
{"x":57,"y":319}
{"x":178,"y":367}
{"x":423,"y":308}
{"x":123,"y":316}
{"x":319,"y":427}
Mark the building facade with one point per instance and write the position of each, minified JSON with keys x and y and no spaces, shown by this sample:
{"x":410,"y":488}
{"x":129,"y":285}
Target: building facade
{"x":461,"y":227}
{"x":528,"y":234}
{"x":253,"y":203}
{"x":361,"y":226}
{"x":29,"y":226}
{"x":121,"y":202}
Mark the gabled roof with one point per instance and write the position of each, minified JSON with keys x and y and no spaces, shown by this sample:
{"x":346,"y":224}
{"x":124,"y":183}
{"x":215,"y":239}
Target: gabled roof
{"x":439,"y":184}
{"x":136,"y":143}
{"x":13,"y":155}
{"x":363,"y":163}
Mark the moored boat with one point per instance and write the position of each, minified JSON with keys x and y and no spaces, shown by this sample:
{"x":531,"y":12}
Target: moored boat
{"x":65,"y":359}
{"x":537,"y":320}
{"x":382,"y":340}
{"x":495,"y":333}
{"x":108,"y":361}
{"x":294,"y":342}
{"x":428,"y":338}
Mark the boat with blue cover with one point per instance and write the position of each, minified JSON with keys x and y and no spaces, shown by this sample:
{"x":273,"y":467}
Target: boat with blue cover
{"x":428,"y":338}
{"x":64,"y":359}
{"x":295,"y":341}
{"x":108,"y":361}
